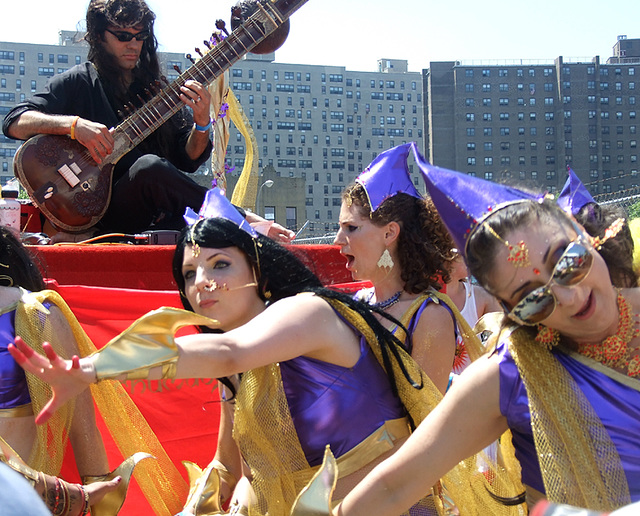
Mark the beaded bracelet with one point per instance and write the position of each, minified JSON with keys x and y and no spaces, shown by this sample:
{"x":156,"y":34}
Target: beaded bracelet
{"x":57,"y":499}
{"x":204,"y":128}
{"x":85,"y":502}
{"x":72,"y":131}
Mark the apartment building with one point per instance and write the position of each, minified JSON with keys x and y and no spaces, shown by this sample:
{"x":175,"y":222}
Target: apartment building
{"x":528,"y":121}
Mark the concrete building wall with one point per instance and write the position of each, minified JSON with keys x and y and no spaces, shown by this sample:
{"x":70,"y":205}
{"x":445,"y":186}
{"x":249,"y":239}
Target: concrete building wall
{"x":527,"y":122}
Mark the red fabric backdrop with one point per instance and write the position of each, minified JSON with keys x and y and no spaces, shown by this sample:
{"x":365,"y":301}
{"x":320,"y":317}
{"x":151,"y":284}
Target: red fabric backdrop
{"x":108,"y":287}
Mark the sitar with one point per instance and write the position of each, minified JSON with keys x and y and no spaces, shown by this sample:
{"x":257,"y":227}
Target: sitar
{"x":64,"y":181}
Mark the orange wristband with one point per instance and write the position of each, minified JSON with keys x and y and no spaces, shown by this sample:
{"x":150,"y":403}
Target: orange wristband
{"x":72,"y":132}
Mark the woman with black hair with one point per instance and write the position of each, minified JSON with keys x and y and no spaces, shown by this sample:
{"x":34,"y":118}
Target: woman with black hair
{"x":315,"y":367}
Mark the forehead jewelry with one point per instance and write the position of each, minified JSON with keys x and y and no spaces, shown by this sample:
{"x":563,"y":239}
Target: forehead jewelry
{"x":195,"y":248}
{"x":610,"y":232}
{"x":518,"y":254}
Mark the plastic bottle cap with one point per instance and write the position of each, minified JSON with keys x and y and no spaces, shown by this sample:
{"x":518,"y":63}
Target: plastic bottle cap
{"x":9,"y":194}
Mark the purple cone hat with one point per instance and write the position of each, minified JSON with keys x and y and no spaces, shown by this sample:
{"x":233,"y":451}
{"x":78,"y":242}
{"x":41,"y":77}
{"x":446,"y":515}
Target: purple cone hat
{"x":217,"y":205}
{"x":388,"y":175}
{"x":574,"y":194}
{"x":464,"y":201}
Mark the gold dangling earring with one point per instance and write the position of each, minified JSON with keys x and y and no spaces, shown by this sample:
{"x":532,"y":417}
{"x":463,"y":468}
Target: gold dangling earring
{"x":385,"y":260}
{"x":548,"y":337}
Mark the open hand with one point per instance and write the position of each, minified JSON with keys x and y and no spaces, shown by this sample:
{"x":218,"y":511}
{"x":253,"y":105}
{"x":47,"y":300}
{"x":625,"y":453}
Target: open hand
{"x":66,"y":377}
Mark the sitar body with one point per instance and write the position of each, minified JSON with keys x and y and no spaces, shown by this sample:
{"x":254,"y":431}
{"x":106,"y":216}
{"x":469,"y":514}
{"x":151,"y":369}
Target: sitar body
{"x":60,"y":176}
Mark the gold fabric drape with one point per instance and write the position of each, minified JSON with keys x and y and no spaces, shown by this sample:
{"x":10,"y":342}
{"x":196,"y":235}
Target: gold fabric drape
{"x":159,"y":479}
{"x":579,"y":463}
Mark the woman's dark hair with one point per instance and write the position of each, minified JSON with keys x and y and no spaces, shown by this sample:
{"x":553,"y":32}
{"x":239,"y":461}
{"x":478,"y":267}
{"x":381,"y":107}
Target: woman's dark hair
{"x":17,"y":264}
{"x":616,"y":252}
{"x":424,"y":244}
{"x":281,"y":274}
{"x":122,"y":13}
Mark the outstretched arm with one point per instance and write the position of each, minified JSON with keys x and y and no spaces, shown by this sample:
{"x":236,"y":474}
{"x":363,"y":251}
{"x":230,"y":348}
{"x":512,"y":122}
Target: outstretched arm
{"x":443,"y":439}
{"x":299,"y":325}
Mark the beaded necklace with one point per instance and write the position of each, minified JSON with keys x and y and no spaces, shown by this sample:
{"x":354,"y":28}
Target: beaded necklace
{"x":387,"y":302}
{"x":614,"y":351}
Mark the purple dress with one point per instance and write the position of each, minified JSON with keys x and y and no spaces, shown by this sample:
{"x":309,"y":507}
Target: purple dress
{"x":617,"y":406}
{"x":13,"y":383}
{"x":336,"y":405}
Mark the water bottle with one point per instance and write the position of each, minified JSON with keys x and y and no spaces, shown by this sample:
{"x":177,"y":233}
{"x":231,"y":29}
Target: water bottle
{"x":10,"y":211}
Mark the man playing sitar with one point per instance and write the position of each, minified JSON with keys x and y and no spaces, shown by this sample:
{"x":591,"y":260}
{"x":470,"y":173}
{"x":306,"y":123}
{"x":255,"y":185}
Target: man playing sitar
{"x":148,"y":186}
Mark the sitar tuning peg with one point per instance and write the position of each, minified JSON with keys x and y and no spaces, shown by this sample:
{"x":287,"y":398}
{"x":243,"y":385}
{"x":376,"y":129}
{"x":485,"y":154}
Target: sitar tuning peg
{"x":190,"y":58}
{"x":164,"y":79}
{"x":177,"y":69}
{"x":207,"y":44}
{"x":199,"y":52}
{"x":221,"y":25}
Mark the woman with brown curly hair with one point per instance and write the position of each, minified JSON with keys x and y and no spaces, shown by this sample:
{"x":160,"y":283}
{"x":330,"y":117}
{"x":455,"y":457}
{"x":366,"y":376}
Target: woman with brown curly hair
{"x":393,"y":237}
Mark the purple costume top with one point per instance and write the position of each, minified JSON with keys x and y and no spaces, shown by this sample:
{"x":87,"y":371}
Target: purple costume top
{"x":617,"y":406}
{"x":13,"y":383}
{"x":336,"y":405}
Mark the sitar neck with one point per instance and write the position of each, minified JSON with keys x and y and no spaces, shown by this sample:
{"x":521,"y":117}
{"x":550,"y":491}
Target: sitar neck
{"x":156,"y":111}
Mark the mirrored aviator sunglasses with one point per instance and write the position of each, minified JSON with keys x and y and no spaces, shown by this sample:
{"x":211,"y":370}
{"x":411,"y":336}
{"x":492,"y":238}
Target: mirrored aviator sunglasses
{"x":572,"y":267}
{"x":125,"y":37}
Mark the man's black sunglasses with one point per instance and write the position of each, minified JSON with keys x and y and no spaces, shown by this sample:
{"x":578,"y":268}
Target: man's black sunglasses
{"x":127,"y":36}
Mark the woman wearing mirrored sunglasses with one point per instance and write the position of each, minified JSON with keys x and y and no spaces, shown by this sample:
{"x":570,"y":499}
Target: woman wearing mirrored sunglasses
{"x":563,"y":375}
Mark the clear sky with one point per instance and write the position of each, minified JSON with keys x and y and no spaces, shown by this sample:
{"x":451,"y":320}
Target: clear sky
{"x":356,"y":33}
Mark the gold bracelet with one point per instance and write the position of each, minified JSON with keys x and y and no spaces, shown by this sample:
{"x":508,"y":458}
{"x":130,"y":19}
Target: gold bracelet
{"x":72,"y":131}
